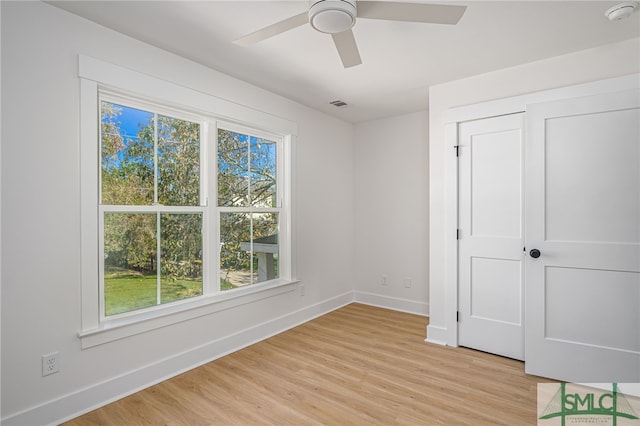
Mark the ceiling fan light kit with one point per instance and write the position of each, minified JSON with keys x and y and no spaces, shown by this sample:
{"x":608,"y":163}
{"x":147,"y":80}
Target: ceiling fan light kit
{"x":621,"y":11}
{"x":332,"y":17}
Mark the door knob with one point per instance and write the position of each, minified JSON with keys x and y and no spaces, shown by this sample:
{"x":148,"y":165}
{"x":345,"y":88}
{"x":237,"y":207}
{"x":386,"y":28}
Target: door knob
{"x":535,"y":253}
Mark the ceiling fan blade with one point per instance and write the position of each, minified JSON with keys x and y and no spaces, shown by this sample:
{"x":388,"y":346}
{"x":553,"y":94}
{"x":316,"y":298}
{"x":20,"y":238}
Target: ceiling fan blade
{"x":274,"y":29}
{"x":347,"y":48}
{"x":411,"y":12}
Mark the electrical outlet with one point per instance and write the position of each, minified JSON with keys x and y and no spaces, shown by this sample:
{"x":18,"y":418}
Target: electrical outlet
{"x":408,"y":282}
{"x":50,"y":364}
{"x":384,"y":280}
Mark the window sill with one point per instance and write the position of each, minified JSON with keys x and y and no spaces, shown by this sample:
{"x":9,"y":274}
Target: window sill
{"x":124,"y":327}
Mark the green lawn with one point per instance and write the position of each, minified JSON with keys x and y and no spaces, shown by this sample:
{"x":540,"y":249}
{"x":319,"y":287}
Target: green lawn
{"x":129,"y":290}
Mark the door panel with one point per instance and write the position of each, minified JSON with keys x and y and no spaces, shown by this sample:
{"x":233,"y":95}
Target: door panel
{"x":495,"y":181}
{"x":492,"y":283}
{"x":618,"y":300}
{"x":490,"y":245}
{"x":605,"y":204}
{"x":583,"y":214}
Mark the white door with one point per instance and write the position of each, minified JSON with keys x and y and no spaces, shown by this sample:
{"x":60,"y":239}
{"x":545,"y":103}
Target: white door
{"x":583,"y":216}
{"x":490,"y":300}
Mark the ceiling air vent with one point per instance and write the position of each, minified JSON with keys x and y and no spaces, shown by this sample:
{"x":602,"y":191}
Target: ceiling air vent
{"x":338,"y":103}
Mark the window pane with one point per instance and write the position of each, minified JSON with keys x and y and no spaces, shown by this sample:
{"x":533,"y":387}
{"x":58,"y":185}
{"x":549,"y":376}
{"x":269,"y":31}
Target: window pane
{"x":265,"y":246}
{"x":246,"y":170}
{"x":235,"y":261}
{"x":262,"y":190}
{"x":127,"y":136}
{"x":178,"y":162}
{"x":233,"y":169}
{"x":181,"y":256}
{"x":249,"y":251}
{"x":130,"y":278}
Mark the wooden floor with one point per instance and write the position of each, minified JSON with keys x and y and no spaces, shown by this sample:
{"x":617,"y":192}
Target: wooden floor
{"x":359,"y":365}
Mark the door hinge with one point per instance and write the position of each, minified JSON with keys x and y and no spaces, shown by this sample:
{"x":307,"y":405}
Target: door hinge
{"x":457,"y":234}
{"x":457,"y":316}
{"x":457,"y":148}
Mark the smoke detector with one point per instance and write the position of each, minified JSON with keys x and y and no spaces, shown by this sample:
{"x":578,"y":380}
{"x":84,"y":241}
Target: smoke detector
{"x":621,"y":11}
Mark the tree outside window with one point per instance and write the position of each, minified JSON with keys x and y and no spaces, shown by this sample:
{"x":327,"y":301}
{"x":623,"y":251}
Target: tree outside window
{"x":153,"y":207}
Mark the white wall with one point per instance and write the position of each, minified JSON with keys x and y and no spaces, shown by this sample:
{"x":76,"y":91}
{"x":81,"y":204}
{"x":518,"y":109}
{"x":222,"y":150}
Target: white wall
{"x":41,"y":230}
{"x":589,"y":65}
{"x":391,"y":163}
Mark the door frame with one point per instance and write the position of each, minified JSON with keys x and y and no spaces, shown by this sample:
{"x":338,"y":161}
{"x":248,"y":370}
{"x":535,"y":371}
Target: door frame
{"x":453,"y":117}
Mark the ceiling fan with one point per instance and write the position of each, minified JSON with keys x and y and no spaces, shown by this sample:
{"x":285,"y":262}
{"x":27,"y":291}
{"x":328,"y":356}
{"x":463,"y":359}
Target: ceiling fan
{"x":337,"y":17}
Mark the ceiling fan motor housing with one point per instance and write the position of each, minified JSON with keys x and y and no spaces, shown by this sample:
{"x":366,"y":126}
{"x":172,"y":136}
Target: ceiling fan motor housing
{"x":332,"y":16}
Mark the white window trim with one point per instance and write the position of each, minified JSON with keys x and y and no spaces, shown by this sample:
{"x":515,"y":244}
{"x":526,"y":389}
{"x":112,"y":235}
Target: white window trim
{"x":94,"y":75}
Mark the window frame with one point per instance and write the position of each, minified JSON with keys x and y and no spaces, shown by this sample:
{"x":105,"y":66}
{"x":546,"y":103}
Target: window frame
{"x":103,"y":81}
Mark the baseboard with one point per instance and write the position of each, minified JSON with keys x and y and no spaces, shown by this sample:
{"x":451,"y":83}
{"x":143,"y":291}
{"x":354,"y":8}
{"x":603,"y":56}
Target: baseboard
{"x":98,"y":395}
{"x":397,"y":304}
{"x":437,"y":335}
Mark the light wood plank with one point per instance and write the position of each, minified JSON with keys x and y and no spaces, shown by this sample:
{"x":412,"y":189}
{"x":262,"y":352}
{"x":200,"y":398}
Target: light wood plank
{"x":359,"y":365}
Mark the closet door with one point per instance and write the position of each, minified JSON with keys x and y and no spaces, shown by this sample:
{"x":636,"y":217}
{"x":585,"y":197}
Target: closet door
{"x":490,"y":305}
{"x":582,"y":237}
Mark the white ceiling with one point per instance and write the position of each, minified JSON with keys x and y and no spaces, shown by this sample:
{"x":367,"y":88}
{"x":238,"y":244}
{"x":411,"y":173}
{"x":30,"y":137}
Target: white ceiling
{"x":400,"y":59}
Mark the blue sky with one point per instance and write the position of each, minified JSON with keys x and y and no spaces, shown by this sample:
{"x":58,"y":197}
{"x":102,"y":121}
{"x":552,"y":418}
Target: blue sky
{"x":132,"y":119}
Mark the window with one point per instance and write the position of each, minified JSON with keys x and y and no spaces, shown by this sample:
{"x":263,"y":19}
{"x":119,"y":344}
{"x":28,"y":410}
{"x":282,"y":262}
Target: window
{"x":250,"y":207}
{"x":186,"y":209}
{"x":152,"y":206}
